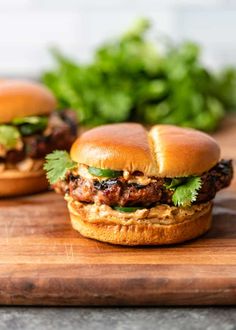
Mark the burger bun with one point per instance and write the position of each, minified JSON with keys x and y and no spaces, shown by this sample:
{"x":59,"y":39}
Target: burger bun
{"x":16,"y":183}
{"x":21,"y":98}
{"x":164,"y":151}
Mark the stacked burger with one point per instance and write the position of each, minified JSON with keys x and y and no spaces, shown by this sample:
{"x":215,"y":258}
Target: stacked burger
{"x":30,"y":128}
{"x":125,"y":185}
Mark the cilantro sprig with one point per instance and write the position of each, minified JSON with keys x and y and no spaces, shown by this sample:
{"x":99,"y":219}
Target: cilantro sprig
{"x":57,"y":164}
{"x":9,"y":136}
{"x":185,"y":190}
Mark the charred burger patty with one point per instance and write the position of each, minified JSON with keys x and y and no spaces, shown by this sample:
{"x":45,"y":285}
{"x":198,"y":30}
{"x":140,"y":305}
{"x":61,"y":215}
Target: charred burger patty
{"x":122,"y":191}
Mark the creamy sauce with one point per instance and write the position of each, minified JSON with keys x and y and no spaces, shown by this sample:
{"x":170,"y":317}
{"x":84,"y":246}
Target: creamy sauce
{"x":160,"y":214}
{"x":26,"y":165}
{"x":142,"y":180}
{"x":82,"y":170}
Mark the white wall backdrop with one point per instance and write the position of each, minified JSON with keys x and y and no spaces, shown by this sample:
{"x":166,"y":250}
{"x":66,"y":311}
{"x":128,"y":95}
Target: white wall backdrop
{"x":29,"y":27}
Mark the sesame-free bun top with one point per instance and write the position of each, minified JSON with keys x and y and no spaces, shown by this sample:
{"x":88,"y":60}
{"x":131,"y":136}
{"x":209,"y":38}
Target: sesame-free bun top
{"x":117,"y":147}
{"x":21,"y":98}
{"x":164,"y":151}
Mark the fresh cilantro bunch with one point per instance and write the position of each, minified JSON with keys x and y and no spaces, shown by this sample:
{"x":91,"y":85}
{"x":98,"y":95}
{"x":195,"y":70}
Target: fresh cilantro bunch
{"x":131,"y":79}
{"x":224,"y":87}
{"x":57,"y":164}
{"x":185,"y":190}
{"x":9,"y":136}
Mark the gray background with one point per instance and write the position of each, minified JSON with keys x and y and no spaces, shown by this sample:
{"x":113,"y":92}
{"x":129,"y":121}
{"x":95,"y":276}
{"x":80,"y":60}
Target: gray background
{"x":117,"y":318}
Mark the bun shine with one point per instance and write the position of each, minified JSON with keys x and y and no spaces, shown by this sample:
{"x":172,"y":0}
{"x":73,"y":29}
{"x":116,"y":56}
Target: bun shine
{"x":165,"y":151}
{"x":21,"y":98}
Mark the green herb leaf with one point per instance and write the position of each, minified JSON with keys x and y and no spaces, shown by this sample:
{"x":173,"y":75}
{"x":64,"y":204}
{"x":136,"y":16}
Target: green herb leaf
{"x":9,"y":136}
{"x":171,"y":184}
{"x":29,"y":120}
{"x":104,"y":172}
{"x":57,"y":164}
{"x":127,"y":208}
{"x":31,"y":125}
{"x":187,"y":192}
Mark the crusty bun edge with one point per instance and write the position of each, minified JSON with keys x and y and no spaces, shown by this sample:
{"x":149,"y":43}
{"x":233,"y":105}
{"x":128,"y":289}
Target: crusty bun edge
{"x":142,"y":233}
{"x":16,"y":183}
{"x":165,"y":151}
{"x":21,"y":98}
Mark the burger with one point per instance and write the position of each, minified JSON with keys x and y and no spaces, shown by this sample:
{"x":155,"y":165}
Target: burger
{"x":30,"y":128}
{"x":125,"y":185}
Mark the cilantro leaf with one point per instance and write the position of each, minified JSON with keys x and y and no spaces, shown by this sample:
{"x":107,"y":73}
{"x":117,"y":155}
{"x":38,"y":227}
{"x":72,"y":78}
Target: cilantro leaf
{"x":173,"y":183}
{"x":186,"y":193}
{"x":9,"y":136}
{"x":57,"y":164}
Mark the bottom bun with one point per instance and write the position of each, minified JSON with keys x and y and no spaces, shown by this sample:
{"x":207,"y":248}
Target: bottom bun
{"x":190,"y":223}
{"x":16,"y":183}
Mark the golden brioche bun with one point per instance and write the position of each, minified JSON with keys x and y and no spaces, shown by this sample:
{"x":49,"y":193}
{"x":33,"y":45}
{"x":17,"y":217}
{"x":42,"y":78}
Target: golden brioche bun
{"x":16,"y":183}
{"x":183,"y":151}
{"x":21,"y":98}
{"x":117,"y":147}
{"x":141,"y":231}
{"x":165,"y":151}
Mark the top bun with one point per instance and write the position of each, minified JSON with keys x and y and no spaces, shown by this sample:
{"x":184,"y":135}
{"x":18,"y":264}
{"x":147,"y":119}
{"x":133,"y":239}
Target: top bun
{"x":183,"y":151}
{"x":117,"y":147}
{"x":164,"y":151}
{"x":21,"y":98}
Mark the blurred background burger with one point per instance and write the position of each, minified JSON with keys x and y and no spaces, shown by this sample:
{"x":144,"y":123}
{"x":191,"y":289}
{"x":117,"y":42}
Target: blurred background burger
{"x":30,"y":128}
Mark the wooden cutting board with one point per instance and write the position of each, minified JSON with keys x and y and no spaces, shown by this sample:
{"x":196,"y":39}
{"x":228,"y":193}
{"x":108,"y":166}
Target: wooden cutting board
{"x":44,"y":262}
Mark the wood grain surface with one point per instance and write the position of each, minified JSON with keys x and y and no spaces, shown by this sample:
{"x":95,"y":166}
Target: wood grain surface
{"x":44,"y":262}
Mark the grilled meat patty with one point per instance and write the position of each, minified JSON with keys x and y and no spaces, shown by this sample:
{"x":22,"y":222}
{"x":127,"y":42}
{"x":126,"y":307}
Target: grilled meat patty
{"x":59,"y":134}
{"x":119,"y":192}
